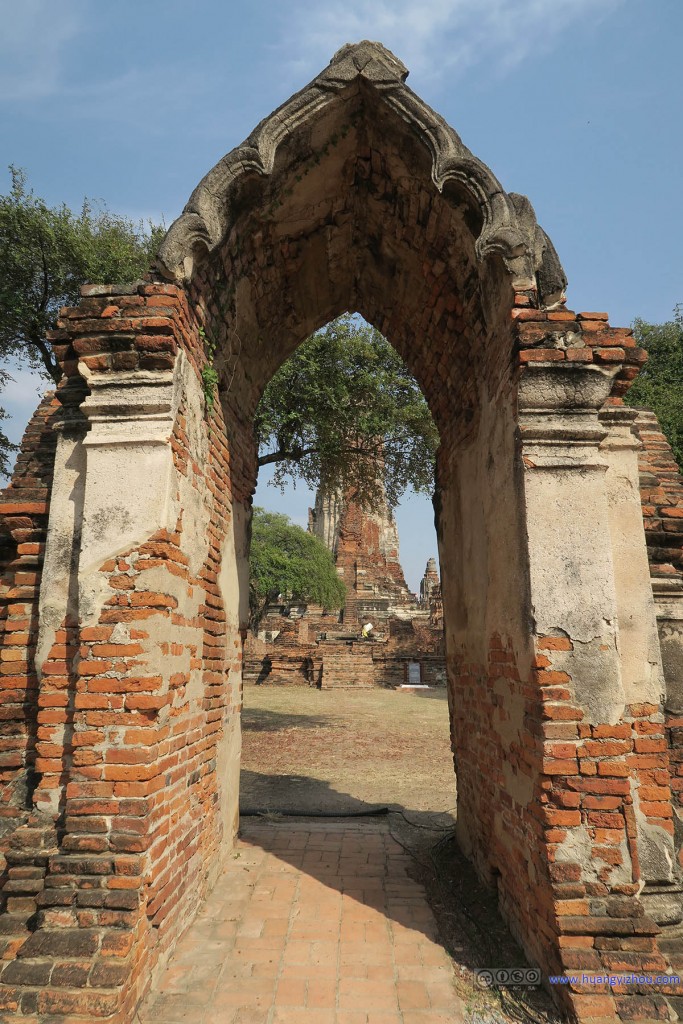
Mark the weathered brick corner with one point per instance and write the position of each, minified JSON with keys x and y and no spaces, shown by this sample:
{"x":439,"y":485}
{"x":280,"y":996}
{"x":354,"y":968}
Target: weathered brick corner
{"x":124,"y":548}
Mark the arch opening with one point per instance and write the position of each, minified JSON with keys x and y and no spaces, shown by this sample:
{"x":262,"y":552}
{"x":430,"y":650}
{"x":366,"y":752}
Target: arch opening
{"x":360,"y":225}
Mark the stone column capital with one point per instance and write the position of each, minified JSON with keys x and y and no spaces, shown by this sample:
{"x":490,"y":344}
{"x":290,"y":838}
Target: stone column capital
{"x":558,"y":414}
{"x":131,"y":407}
{"x":551,"y":387}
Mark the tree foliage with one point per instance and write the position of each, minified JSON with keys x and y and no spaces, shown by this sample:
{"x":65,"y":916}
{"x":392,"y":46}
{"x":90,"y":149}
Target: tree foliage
{"x":6,"y":446}
{"x":286,"y":561}
{"x":47,"y":253}
{"x":659,"y":385}
{"x":343,"y":401}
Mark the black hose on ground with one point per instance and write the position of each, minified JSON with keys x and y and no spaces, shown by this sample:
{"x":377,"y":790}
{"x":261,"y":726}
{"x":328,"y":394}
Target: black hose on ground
{"x":372,"y":812}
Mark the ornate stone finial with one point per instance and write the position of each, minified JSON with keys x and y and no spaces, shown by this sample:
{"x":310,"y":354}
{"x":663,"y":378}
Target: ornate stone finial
{"x":370,"y":60}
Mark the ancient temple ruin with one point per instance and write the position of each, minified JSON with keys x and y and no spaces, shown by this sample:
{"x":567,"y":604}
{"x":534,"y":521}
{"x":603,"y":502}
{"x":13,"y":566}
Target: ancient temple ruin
{"x":125,"y":542}
{"x":308,"y":645}
{"x":365,"y":547}
{"x":430,"y":584}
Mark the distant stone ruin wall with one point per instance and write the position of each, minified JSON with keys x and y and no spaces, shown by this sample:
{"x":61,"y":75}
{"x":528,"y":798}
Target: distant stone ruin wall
{"x":343,"y":658}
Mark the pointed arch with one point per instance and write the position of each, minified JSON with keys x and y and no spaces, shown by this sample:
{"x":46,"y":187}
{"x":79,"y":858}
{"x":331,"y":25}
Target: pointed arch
{"x":508,"y":223}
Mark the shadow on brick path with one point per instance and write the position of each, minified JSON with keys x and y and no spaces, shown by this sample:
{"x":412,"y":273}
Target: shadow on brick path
{"x":312,"y":923}
{"x":331,"y":921}
{"x":323,"y":920}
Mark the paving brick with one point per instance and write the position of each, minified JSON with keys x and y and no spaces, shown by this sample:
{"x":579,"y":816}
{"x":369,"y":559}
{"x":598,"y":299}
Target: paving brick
{"x":309,"y":979}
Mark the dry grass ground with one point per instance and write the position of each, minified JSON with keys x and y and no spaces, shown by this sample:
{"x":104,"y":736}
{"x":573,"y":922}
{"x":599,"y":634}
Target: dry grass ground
{"x":337,"y":750}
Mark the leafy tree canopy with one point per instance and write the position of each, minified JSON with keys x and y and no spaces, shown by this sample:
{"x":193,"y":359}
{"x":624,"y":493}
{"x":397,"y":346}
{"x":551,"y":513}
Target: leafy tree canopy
{"x":659,"y":385}
{"x":285,"y":560}
{"x":6,"y":446}
{"x":343,"y":401}
{"x":47,"y":253}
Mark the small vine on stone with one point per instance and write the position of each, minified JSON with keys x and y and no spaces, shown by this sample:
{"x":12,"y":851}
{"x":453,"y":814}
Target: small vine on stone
{"x":209,"y":382}
{"x":209,"y":373}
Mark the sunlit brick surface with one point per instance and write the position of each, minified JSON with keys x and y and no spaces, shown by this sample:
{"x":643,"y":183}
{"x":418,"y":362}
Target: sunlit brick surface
{"x":316,"y":923}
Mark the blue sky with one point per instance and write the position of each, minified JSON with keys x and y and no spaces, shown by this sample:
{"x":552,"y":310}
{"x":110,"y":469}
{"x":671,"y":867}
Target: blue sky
{"x":575,"y":103}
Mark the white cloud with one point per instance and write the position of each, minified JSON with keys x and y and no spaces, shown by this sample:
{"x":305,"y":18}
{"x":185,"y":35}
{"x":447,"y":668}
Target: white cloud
{"x":33,"y":45}
{"x":434,"y":37}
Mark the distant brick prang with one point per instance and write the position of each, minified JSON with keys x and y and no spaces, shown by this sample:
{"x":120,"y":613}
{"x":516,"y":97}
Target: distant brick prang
{"x":367,"y":559}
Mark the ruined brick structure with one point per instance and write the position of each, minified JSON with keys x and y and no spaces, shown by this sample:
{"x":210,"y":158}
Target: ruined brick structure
{"x":430,"y":585}
{"x":317,"y":650}
{"x":306,"y":646}
{"x":430,"y":593}
{"x":125,"y":550}
{"x":364,"y":544}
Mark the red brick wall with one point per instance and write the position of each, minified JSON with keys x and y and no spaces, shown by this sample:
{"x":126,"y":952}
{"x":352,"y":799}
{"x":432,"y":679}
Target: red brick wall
{"x":662,"y":497}
{"x":569,"y":914}
{"x":23,"y":509}
{"x":131,"y":754}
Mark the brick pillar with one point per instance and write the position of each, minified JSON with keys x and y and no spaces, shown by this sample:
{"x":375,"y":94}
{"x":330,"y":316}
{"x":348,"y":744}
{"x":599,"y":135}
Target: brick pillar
{"x":57,"y":646}
{"x":606,"y":798}
{"x":668,"y":594}
{"x":640,"y":654}
{"x":138,"y":655}
{"x":573,"y":589}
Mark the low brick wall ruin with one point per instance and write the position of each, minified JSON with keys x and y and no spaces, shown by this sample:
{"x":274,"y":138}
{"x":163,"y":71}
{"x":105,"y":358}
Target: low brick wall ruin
{"x":321,"y":652}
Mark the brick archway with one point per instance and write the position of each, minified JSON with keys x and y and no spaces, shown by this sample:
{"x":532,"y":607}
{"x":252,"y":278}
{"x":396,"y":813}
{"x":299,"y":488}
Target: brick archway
{"x":122,"y":779}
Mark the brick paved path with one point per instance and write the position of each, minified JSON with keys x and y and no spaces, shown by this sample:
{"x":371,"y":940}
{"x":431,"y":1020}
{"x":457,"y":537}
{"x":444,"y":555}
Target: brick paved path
{"x":312,"y":923}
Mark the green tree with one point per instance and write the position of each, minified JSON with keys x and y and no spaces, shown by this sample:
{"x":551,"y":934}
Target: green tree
{"x":285,"y":560}
{"x":343,"y":401}
{"x":47,"y":253}
{"x":659,"y":385}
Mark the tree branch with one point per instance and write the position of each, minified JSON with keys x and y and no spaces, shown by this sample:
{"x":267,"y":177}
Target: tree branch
{"x":297,"y":454}
{"x":47,"y":356}
{"x":282,"y":455}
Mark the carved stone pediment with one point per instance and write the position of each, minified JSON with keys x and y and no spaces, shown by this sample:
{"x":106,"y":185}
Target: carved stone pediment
{"x":509,"y":227}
